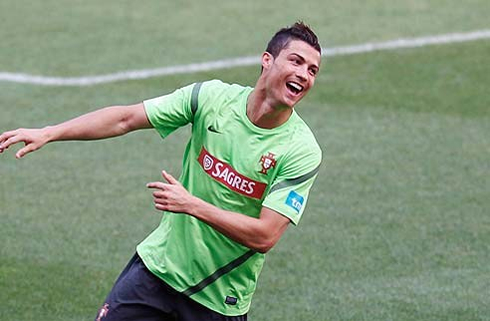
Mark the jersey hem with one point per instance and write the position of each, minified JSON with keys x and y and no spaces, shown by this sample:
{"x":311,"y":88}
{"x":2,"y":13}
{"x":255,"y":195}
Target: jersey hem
{"x":205,"y":303}
{"x":291,"y":219}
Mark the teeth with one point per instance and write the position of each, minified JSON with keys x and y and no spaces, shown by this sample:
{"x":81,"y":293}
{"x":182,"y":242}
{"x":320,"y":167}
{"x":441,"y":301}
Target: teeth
{"x":295,"y":86}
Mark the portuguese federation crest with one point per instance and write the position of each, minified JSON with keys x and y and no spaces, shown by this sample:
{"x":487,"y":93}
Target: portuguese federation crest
{"x":267,"y":161}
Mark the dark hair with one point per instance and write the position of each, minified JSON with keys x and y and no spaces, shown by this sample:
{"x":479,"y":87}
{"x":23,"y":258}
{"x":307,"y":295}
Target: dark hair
{"x":298,"y":31}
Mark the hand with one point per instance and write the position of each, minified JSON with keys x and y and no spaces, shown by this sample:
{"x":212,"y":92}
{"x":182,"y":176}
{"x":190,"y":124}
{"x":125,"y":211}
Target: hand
{"x":32,"y":138}
{"x":171,"y":196}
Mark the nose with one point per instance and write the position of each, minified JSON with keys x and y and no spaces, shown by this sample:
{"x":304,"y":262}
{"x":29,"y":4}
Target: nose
{"x":302,"y":73}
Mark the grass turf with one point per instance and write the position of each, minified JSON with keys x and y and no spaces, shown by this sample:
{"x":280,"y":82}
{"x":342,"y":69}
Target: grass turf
{"x":397,"y":226}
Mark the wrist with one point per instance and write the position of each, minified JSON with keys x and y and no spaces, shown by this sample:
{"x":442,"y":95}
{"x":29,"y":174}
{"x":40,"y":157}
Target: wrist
{"x":200,"y":209}
{"x":194,"y":205}
{"x":48,"y":134}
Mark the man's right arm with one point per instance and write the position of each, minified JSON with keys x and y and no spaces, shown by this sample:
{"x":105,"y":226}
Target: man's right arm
{"x":103,"y":123}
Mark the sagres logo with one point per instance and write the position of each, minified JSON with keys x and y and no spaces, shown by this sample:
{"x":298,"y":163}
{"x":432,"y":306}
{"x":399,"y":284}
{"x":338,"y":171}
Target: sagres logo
{"x":267,"y":162}
{"x":228,"y":176}
{"x":207,"y":163}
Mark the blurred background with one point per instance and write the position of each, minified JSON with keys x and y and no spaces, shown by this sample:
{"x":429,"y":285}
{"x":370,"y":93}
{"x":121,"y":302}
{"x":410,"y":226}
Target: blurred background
{"x":397,"y":225}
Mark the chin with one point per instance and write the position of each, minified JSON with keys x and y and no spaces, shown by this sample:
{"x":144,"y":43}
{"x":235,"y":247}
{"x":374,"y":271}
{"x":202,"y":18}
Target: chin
{"x":286,"y":104}
{"x":292,"y":102}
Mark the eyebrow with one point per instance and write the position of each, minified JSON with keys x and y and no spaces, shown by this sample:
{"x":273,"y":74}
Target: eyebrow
{"x":304,"y":60}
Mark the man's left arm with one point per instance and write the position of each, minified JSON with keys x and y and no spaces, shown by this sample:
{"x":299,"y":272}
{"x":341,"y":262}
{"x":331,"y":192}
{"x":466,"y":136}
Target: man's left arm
{"x":259,"y":234}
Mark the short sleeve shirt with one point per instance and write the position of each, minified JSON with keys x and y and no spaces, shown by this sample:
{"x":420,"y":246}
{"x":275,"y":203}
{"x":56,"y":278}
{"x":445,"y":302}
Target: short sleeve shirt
{"x":234,"y":165}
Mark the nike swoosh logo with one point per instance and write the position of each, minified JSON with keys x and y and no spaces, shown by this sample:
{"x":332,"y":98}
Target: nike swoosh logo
{"x":213,"y":130}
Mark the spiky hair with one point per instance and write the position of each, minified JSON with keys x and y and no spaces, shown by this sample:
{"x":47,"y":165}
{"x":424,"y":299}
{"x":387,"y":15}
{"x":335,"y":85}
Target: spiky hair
{"x":298,"y":31}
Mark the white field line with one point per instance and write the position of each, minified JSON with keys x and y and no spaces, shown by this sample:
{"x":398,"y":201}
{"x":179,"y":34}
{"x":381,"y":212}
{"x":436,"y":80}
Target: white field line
{"x":239,"y":62}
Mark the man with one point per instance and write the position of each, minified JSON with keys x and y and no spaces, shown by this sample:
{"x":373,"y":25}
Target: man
{"x":247,"y":172}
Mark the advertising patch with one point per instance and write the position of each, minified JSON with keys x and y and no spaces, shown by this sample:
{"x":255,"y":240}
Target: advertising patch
{"x":295,"y":201}
{"x":228,"y":176}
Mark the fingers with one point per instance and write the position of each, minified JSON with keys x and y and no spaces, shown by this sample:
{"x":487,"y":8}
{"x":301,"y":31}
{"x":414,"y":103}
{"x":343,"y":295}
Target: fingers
{"x":157,"y":185}
{"x":170,"y":178}
{"x":167,"y":196}
{"x":161,"y":207}
{"x":160,"y":185}
{"x":7,"y":139}
{"x":5,"y":136}
{"x":160,"y":199}
{"x":13,"y":137}
{"x":158,"y":194}
{"x":26,"y":150}
{"x":160,"y":203}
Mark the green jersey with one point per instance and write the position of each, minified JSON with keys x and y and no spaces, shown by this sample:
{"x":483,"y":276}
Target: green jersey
{"x":234,"y":165}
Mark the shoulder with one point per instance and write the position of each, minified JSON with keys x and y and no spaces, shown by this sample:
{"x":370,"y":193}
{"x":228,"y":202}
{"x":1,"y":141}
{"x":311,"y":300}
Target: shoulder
{"x":304,"y":153}
{"x":219,"y":84}
{"x":303,"y":136}
{"x":217,"y":88}
{"x":215,"y":94}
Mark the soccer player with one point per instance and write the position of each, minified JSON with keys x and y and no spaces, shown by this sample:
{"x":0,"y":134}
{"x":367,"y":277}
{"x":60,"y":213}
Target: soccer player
{"x":247,"y":172}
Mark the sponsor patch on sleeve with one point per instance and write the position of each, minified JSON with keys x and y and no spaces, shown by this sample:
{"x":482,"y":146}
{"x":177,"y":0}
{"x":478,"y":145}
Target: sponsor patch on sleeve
{"x":295,"y":201}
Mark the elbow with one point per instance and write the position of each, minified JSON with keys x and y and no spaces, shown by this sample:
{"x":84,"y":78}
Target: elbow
{"x":264,"y":240}
{"x":129,"y":118}
{"x":263,"y":246}
{"x":262,"y":250}
{"x":124,"y":124}
{"x":123,"y":127}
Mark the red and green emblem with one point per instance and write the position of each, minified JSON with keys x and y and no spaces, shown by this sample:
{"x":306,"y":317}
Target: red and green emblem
{"x":267,"y":161}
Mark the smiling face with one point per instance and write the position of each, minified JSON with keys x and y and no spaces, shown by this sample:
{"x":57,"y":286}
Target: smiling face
{"x":290,"y":75}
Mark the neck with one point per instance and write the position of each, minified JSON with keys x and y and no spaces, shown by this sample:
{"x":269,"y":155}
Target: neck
{"x":265,"y":113}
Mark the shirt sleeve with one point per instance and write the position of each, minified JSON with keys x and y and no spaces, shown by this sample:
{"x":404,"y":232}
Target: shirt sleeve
{"x":169,"y":112}
{"x":289,"y":193}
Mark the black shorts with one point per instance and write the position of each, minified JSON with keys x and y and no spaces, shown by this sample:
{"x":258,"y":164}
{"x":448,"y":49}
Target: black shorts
{"x":139,"y":295}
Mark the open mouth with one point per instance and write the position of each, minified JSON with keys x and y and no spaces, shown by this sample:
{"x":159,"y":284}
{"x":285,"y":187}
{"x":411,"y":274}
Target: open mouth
{"x":294,"y":87}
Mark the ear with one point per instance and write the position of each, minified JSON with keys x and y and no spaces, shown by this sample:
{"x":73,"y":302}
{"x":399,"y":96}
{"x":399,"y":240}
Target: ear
{"x":267,"y":60}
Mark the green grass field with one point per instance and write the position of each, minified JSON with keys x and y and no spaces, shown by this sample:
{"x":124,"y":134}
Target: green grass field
{"x":398,"y":223}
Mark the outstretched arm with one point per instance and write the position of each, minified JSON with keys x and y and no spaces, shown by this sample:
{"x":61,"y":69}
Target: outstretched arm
{"x":103,"y":123}
{"x":259,"y":234}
